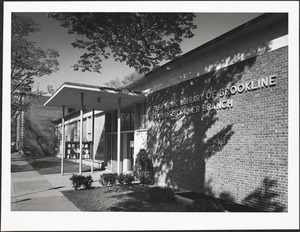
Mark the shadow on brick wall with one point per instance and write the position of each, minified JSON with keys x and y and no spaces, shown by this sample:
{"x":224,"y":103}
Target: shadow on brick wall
{"x":264,"y":197}
{"x":180,"y":145}
{"x":38,"y":140}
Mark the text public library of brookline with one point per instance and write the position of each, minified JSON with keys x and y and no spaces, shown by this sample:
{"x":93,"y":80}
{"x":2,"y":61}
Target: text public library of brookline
{"x":214,"y":120}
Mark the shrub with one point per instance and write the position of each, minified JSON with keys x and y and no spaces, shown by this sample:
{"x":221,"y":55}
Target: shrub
{"x":144,"y":170}
{"x":161,"y":195}
{"x":87,"y":182}
{"x":108,"y":179}
{"x":129,"y":179}
{"x":145,"y":178}
{"x":121,"y":179}
{"x":79,"y":180}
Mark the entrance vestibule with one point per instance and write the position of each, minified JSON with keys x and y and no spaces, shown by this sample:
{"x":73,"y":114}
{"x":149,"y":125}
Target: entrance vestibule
{"x":133,"y":119}
{"x":127,"y":139}
{"x":127,"y":151}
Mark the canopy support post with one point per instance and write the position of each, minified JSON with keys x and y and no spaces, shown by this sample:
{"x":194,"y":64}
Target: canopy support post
{"x":92,"y":145}
{"x":135,"y":131}
{"x":119,"y":137}
{"x":81,"y":135}
{"x":63,"y":140}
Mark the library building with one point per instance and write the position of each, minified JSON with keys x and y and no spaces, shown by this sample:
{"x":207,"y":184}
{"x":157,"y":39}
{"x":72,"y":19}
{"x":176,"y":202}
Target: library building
{"x":214,"y":120}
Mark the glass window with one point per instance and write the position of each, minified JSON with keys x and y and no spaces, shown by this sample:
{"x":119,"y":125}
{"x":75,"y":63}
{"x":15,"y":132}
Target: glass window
{"x":141,"y":115}
{"x":70,"y":110}
{"x":127,"y":119}
{"x":73,"y":131}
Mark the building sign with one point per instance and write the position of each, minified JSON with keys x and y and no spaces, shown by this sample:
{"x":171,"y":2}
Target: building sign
{"x":173,"y":109}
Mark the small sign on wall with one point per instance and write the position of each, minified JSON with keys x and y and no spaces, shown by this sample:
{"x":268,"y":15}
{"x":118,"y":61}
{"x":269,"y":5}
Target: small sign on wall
{"x":131,"y":143}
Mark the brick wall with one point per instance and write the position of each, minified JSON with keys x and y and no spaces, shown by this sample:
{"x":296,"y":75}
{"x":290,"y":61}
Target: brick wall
{"x":38,"y":139}
{"x":237,"y":151}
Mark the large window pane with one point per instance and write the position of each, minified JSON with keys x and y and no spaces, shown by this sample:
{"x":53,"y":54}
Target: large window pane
{"x":127,"y":119}
{"x":142,"y":115}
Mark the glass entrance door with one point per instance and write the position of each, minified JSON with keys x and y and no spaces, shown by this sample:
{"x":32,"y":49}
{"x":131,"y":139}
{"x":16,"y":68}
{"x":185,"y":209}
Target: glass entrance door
{"x":126,"y":152}
{"x":127,"y":136}
{"x":127,"y":144}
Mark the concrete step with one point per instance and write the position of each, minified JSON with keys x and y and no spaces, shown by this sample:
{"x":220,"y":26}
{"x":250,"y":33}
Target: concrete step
{"x":193,"y":199}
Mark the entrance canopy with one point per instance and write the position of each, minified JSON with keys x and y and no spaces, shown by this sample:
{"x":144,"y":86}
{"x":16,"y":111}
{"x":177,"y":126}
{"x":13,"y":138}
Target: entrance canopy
{"x":95,"y":97}
{"x":90,"y":97}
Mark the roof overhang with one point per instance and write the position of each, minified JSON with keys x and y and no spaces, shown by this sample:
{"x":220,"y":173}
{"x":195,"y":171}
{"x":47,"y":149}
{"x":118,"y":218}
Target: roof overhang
{"x":94,"y":97}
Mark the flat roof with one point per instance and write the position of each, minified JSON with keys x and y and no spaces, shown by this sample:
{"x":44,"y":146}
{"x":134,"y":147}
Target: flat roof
{"x":95,"y":97}
{"x":262,"y":20}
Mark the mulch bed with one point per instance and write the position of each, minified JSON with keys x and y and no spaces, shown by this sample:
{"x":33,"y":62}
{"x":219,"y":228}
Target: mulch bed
{"x":129,"y":198}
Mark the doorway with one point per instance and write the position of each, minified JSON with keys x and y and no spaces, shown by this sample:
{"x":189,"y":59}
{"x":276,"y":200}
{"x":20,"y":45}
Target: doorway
{"x":126,"y":152}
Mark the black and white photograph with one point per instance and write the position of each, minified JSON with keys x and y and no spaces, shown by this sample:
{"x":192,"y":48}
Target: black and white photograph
{"x":150,"y":115}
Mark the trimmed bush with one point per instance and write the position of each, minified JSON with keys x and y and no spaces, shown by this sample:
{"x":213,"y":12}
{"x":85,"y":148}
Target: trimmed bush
{"x":121,"y":179}
{"x":108,"y":179}
{"x":87,"y":182}
{"x":129,"y":179}
{"x":161,"y":195}
{"x":79,"y":180}
{"x":144,"y":170}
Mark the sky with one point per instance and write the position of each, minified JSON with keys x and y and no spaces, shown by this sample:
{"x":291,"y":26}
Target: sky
{"x":52,"y":35}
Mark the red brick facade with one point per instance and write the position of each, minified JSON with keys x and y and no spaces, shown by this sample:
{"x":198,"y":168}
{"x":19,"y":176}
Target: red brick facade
{"x":36,"y":130}
{"x":238,"y":150}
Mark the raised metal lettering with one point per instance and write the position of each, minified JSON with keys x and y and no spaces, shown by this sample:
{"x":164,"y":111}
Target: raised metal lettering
{"x":272,"y":80}
{"x":233,"y":89}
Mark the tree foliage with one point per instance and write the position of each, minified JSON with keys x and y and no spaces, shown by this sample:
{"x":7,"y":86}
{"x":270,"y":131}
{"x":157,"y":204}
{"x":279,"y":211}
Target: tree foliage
{"x":142,"y":40}
{"x":126,"y":80}
{"x":27,"y":62}
{"x":50,"y":90}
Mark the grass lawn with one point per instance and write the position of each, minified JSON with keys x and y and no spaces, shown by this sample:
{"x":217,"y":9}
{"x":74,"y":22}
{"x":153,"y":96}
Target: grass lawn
{"x":52,"y":165}
{"x":130,"y":198}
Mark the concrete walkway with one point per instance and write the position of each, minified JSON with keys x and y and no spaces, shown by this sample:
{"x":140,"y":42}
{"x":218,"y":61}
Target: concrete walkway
{"x":30,"y":191}
{"x":63,"y":183}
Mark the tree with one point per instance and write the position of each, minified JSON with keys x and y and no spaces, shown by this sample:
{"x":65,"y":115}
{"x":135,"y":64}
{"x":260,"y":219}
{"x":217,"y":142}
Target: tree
{"x":128,"y":79}
{"x":50,"y":90}
{"x":142,"y":40}
{"x":27,"y":62}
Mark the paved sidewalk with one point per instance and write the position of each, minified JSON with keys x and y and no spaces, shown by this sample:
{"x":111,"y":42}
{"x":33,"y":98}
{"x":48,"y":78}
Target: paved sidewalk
{"x":63,"y":182}
{"x":30,"y":191}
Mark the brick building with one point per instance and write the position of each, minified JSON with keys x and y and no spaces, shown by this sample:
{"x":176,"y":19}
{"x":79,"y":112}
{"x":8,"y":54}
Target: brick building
{"x":34,"y":134}
{"x":214,"y":121}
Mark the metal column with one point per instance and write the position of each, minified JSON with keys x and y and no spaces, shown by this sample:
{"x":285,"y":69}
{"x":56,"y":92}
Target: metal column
{"x":63,"y":140}
{"x":119,"y":137}
{"x":93,"y":135}
{"x":81,"y":135}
